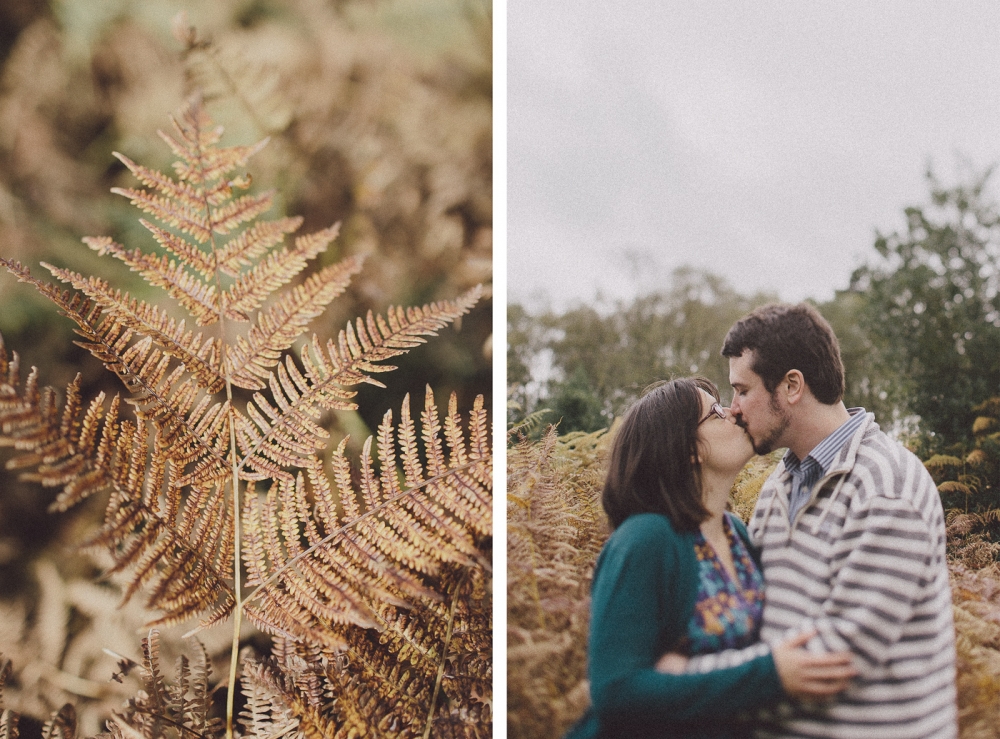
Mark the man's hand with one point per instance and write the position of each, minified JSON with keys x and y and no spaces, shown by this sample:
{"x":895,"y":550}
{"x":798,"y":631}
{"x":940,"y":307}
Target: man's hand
{"x":811,"y":675}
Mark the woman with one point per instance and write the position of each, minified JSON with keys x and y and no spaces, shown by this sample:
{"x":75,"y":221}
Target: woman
{"x":678,"y":574}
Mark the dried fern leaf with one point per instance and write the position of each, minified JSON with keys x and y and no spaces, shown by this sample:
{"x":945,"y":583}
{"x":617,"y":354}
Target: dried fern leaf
{"x":249,"y":362}
{"x":286,"y":435}
{"x":278,"y":269}
{"x":143,"y":370}
{"x":9,"y":725}
{"x":161,"y":709}
{"x":197,"y":296}
{"x":8,"y":719}
{"x":88,"y":451}
{"x":427,"y":672}
{"x":381,"y":555}
{"x":200,"y":357}
{"x":286,"y":696}
{"x":172,"y":500}
{"x":62,"y":725}
{"x":201,"y":204}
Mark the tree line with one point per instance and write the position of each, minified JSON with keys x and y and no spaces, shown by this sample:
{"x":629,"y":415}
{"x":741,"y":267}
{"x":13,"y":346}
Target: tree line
{"x":918,"y":323}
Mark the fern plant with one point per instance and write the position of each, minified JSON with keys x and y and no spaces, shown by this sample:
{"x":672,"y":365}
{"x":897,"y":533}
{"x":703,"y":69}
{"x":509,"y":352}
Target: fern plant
{"x":555,"y":529}
{"x":385,"y":571}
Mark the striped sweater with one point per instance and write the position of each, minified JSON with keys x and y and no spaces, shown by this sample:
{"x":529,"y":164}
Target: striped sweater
{"x":863,"y":564}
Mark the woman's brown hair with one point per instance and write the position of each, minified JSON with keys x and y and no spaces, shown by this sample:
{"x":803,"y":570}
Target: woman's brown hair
{"x":654,"y":464}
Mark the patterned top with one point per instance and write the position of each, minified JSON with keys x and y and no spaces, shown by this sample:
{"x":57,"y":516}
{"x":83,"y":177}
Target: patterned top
{"x":727,"y":615}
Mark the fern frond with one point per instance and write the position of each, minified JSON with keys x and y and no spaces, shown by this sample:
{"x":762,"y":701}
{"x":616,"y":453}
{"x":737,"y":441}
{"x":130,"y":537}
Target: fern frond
{"x":427,"y":671}
{"x":143,"y":369}
{"x":202,"y":162}
{"x":197,"y":296}
{"x":62,"y":725}
{"x":8,"y":725}
{"x":181,"y":559}
{"x":8,"y":719}
{"x":527,"y":425}
{"x":395,"y":553}
{"x":187,"y":197}
{"x":243,"y":250}
{"x":183,"y":573}
{"x":163,"y":710}
{"x":286,"y":435}
{"x":73,"y":449}
{"x":200,"y":356}
{"x":270,"y":709}
{"x":250,"y":360}
{"x":280,"y":267}
{"x":227,"y":217}
{"x":202,"y":205}
{"x":382,"y":554}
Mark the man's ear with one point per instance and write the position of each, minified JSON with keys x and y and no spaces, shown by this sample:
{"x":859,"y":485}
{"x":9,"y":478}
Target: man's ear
{"x":795,"y":386}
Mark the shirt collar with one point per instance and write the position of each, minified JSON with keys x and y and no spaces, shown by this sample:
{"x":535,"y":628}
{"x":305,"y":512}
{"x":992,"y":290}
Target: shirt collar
{"x":826,"y":451}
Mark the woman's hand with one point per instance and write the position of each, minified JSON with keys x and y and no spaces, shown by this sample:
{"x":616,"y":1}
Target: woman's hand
{"x":810,"y":674}
{"x":672,"y":663}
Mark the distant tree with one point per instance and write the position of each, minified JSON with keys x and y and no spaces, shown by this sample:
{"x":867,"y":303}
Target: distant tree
{"x":575,"y":405}
{"x":931,"y":306}
{"x":870,"y":379}
{"x":623,"y":347}
{"x":522,"y":346}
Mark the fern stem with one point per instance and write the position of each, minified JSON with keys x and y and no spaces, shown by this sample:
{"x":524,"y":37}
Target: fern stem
{"x":238,"y":607}
{"x":444,"y":656}
{"x":234,"y":658}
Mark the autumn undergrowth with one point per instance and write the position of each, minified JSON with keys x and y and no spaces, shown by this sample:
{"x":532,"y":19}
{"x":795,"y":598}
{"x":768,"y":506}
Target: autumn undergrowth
{"x":555,"y":530}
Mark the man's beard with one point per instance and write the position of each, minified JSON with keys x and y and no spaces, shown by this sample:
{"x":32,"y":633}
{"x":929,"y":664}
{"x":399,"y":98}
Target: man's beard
{"x":769,"y":443}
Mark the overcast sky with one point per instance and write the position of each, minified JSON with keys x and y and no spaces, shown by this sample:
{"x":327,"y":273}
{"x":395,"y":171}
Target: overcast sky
{"x":763,"y":141}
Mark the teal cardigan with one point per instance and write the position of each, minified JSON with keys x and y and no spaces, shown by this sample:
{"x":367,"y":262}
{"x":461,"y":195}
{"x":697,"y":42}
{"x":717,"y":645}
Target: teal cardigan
{"x":642,"y":599}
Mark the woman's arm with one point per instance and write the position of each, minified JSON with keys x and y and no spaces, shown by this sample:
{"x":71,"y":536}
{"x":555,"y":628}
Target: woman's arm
{"x":803,"y":674}
{"x":642,"y":591}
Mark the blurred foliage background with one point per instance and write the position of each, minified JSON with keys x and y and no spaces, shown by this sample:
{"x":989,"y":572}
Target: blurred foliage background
{"x":379,"y":114}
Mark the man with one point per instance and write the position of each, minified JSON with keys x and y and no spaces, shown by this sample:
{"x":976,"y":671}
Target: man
{"x":852,"y":535}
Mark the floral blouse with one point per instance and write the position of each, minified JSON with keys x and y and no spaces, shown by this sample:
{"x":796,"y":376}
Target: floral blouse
{"x":726,"y":614}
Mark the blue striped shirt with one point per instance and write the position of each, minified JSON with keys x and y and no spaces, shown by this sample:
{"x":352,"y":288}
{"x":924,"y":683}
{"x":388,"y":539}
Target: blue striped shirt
{"x":809,"y":471}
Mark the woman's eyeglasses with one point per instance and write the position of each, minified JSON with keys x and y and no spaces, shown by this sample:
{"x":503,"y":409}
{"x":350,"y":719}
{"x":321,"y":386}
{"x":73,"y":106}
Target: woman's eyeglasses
{"x":715,"y":410}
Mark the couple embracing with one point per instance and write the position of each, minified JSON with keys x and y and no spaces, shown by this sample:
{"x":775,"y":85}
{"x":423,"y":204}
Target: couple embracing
{"x":829,"y":615}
